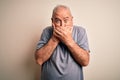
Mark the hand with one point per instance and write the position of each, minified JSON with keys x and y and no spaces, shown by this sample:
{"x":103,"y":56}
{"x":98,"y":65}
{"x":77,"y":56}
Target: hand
{"x":54,"y":37}
{"x":64,"y":34}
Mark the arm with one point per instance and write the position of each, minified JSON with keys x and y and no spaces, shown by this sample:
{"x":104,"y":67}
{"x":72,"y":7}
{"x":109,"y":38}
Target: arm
{"x":44,"y":53}
{"x":79,"y":54}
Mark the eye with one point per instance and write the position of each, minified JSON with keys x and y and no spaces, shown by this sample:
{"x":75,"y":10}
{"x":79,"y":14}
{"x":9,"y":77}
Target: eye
{"x":57,"y":21}
{"x":66,"y":20}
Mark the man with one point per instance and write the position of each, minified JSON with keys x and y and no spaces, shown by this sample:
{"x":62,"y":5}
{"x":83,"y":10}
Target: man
{"x":63,"y":48}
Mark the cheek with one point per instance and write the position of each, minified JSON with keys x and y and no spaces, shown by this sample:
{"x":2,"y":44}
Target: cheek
{"x":69,"y":24}
{"x":56,"y":24}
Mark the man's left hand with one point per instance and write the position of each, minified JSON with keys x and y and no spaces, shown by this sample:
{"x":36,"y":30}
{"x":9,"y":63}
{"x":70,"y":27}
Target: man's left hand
{"x":64,"y":33}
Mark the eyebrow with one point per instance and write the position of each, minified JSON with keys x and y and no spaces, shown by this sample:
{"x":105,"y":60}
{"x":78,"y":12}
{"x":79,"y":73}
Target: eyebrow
{"x":56,"y":18}
{"x":66,"y":17}
{"x":60,"y":19}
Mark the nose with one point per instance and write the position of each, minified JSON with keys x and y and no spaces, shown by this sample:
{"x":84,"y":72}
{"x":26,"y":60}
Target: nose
{"x":62,"y":23}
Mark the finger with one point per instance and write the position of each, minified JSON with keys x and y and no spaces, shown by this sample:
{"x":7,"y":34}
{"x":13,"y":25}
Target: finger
{"x":57,"y":34}
{"x":59,"y":29}
{"x":69,"y":28}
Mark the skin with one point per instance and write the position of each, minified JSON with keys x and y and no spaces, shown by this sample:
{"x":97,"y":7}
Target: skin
{"x":62,"y":22}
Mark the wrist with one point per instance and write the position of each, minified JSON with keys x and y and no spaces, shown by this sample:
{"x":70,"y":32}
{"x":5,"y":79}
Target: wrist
{"x":54,"y":39}
{"x":71,"y":43}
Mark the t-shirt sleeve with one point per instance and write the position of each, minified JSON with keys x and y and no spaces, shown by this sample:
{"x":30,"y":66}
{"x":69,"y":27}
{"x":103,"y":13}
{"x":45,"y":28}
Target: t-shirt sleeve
{"x":44,"y":38}
{"x":83,"y":40}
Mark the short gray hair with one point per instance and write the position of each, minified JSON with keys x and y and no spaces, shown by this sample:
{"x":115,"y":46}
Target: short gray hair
{"x":60,"y":6}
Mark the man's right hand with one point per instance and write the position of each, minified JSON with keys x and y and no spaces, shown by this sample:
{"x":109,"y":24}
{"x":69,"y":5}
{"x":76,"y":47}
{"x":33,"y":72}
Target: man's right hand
{"x":54,"y":38}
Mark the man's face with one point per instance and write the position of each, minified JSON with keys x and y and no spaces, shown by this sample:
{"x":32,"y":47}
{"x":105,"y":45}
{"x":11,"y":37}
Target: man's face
{"x":62,"y":18}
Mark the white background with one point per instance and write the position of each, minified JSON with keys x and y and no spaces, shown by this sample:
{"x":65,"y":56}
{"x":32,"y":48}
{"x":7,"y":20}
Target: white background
{"x":22,"y":22}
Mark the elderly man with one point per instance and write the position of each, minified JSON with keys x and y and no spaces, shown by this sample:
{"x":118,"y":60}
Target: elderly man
{"x":63,"y":48}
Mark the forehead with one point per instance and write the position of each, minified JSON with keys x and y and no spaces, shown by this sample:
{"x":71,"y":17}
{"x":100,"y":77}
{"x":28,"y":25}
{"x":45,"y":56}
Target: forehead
{"x":62,"y":13}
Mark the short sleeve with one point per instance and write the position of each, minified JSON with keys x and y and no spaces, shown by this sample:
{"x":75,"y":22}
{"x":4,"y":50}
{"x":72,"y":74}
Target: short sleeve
{"x":45,"y":36}
{"x":83,"y":40}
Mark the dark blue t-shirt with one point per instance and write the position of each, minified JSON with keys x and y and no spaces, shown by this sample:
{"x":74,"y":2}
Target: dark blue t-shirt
{"x":61,"y":65}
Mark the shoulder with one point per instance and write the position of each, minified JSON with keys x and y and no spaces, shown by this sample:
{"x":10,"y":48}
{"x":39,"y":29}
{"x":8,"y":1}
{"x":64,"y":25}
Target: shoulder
{"x":48,"y":28}
{"x":78,"y":29}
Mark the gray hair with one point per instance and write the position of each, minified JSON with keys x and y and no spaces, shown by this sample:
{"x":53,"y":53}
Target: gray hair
{"x":60,"y":6}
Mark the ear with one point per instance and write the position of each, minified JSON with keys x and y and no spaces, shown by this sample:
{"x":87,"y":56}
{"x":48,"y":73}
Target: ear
{"x":72,"y":17}
{"x":52,"y":20}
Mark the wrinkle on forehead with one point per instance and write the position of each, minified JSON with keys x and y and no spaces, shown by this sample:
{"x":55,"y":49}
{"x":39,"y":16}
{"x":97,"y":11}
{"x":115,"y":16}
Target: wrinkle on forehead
{"x":62,"y":13}
{"x":61,"y":10}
